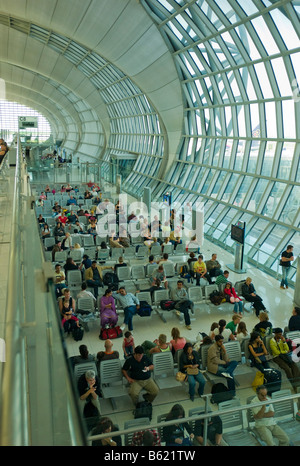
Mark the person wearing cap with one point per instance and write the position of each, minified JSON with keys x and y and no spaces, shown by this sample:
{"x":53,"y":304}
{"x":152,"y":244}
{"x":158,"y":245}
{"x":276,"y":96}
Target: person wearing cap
{"x":139,"y":366}
{"x":280,"y":351}
{"x":89,"y":389}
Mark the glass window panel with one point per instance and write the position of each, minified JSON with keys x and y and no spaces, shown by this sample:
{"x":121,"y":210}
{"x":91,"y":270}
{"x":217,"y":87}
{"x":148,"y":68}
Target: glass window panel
{"x":230,"y":187}
{"x":285,"y":28}
{"x":273,"y":199}
{"x":281,"y":76}
{"x":286,"y":158}
{"x":207,"y":182}
{"x":268,"y":158}
{"x":238,"y":201}
{"x":254,"y":233}
{"x":265,"y":35}
{"x":263,"y":80}
{"x":271,"y":119}
{"x":291,"y":207}
{"x":218,"y":184}
{"x":270,"y":243}
{"x":288,"y":116}
{"x":256,"y":195}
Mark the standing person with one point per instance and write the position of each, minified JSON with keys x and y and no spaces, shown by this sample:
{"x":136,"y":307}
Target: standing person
{"x":130,"y":304}
{"x":139,"y":367}
{"x":219,"y":363}
{"x":128,"y":345}
{"x":183,"y":304}
{"x":258,"y":352}
{"x":264,"y":420}
{"x":189,"y":364}
{"x":286,"y":258}
{"x":280,"y":352}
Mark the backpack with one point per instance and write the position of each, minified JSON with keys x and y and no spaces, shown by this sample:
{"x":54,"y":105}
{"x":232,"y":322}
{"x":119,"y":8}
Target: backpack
{"x":143,"y":409}
{"x":167,"y":304}
{"x":272,"y":380}
{"x":110,"y":333}
{"x":111,"y":280}
{"x":220,"y":393}
{"x":77,"y":333}
{"x":216,"y":297}
{"x":145,"y":309}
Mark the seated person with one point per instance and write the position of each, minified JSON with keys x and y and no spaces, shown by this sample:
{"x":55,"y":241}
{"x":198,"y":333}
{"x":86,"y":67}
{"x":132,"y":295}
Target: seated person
{"x":69,"y":321}
{"x":84,"y":293}
{"x":108,"y":313}
{"x":223,"y":278}
{"x":214,"y":267}
{"x":249,"y":293}
{"x":264,"y":327}
{"x":159,"y":274}
{"x":105,"y":425}
{"x":89,"y":389}
{"x":177,"y":341}
{"x":66,"y":298}
{"x":258,"y":352}
{"x":214,"y":430}
{"x":294,"y":322}
{"x":161,"y":345}
{"x":218,"y":362}
{"x":232,"y":297}
{"x":146,"y":438}
{"x":59,"y":280}
{"x":174,"y":434}
{"x":120,"y":264}
{"x":139,"y":367}
{"x":107,"y":354}
{"x":84,"y":356}
{"x":282,"y":357}
{"x":200,"y":271}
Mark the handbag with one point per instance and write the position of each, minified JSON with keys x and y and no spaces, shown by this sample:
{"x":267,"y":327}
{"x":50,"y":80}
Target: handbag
{"x":180,"y":376}
{"x":192,"y":370}
{"x":258,"y":380}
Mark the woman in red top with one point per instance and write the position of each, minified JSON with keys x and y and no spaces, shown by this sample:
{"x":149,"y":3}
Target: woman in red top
{"x":232,"y":297}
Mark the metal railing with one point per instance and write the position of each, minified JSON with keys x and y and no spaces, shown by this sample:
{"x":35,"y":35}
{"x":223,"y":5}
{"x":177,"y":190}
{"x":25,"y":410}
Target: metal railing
{"x":38,"y":400}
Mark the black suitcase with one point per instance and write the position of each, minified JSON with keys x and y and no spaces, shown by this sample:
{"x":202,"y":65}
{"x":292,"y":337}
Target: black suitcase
{"x":77,"y":333}
{"x":143,"y":409}
{"x":220,"y":393}
{"x":272,"y":380}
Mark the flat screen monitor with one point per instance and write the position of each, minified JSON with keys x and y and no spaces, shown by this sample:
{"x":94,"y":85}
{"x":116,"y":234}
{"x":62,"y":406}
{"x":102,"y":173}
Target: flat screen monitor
{"x":238,"y":234}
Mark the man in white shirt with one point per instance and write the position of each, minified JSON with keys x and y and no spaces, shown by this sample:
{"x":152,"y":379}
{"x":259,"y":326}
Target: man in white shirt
{"x":264,"y":420}
{"x":84,"y":293}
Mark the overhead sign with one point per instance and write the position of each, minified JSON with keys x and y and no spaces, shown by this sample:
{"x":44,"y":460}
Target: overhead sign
{"x":28,"y":122}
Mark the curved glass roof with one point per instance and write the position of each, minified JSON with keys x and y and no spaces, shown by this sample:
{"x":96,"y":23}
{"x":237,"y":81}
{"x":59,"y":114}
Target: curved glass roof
{"x":239,"y":68}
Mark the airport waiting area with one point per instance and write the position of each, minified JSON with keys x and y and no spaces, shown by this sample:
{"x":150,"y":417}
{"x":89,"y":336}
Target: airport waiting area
{"x":69,"y":254}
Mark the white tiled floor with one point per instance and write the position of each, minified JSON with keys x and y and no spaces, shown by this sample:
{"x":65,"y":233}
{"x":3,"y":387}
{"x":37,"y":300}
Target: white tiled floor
{"x":279,"y":303}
